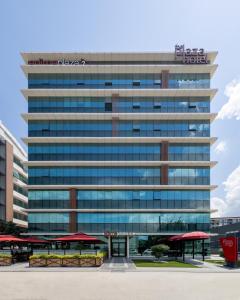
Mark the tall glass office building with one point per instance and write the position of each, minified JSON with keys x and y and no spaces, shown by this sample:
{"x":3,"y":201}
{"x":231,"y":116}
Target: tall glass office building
{"x":119,"y":145}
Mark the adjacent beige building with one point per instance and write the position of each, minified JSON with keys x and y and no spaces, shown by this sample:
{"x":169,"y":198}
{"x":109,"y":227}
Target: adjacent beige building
{"x":13,"y":179}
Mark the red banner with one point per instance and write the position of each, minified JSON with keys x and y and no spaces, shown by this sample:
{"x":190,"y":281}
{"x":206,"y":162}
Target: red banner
{"x":230,"y":248}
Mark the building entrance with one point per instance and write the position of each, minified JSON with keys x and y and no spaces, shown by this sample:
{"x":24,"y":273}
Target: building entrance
{"x":118,"y":247}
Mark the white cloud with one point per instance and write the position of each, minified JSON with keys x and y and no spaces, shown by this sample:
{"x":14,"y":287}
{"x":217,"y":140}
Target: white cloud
{"x":230,"y":206}
{"x":221,"y":147}
{"x":220,"y":205}
{"x":232,"y":108}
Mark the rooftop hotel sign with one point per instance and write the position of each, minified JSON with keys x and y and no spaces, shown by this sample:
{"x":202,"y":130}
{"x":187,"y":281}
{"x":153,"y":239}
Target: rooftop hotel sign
{"x":190,"y":56}
{"x":63,"y":61}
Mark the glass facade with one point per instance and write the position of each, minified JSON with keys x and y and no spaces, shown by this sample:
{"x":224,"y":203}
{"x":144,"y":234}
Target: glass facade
{"x":140,"y":245}
{"x":120,"y":81}
{"x":189,"y":81}
{"x":121,"y":128}
{"x":123,"y":222}
{"x":120,"y":199}
{"x":107,"y":152}
{"x":116,"y":175}
{"x":93,"y":175}
{"x":117,"y":152}
{"x":198,"y":152}
{"x":126,"y":104}
{"x":155,"y":199}
{"x":186,"y":176}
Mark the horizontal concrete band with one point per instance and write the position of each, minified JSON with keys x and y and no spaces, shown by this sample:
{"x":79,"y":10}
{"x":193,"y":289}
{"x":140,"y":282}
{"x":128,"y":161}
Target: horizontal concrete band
{"x":20,"y":196}
{"x":20,"y":223}
{"x":119,"y":116}
{"x":109,"y":56}
{"x":120,"y":92}
{"x":122,"y":163}
{"x":19,"y":209}
{"x":19,"y":169}
{"x":122,"y":187}
{"x":110,"y":140}
{"x":147,"y":210}
{"x":119,"y":69}
{"x":19,"y":182}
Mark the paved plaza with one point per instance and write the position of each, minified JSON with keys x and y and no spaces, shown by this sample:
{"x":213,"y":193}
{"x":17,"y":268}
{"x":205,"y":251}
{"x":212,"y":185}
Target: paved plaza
{"x":119,"y":285}
{"x":119,"y":279}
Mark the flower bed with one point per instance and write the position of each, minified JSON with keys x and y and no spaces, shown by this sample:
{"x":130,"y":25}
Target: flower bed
{"x":77,"y":260}
{"x":5,"y":259}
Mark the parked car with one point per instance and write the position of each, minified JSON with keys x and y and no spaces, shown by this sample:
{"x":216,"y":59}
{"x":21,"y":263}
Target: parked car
{"x":134,"y":253}
{"x":147,"y":252}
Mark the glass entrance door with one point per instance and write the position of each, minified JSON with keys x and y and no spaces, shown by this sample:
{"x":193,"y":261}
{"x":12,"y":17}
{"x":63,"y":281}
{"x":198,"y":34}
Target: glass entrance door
{"x":118,"y":246}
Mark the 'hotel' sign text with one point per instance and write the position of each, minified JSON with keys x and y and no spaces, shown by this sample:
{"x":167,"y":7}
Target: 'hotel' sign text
{"x":190,"y":56}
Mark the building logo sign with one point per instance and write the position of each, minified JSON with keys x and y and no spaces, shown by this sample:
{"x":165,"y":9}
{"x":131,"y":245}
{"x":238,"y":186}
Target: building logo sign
{"x":230,"y":248}
{"x":190,"y":56}
{"x":63,"y":61}
{"x":116,"y":234}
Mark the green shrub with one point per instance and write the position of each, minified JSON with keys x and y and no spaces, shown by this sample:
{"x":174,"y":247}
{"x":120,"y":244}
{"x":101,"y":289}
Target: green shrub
{"x":159,"y":250}
{"x":45,"y":256}
{"x":221,"y":253}
{"x":71,"y":256}
{"x":5,"y":256}
{"x":102,"y":254}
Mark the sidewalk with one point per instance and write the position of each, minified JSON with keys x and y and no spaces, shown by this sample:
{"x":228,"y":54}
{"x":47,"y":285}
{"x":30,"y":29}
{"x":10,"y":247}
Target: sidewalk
{"x":124,"y":265}
{"x":118,"y":264}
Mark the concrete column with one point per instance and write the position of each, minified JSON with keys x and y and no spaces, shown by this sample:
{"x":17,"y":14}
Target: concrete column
{"x":73,"y":214}
{"x":109,"y":247}
{"x":114,"y":101}
{"x":127,"y":246}
{"x":164,"y":151}
{"x":165,"y":79}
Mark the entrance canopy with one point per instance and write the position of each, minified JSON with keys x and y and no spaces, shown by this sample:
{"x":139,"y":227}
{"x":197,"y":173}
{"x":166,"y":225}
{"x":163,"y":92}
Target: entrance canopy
{"x":77,"y":237}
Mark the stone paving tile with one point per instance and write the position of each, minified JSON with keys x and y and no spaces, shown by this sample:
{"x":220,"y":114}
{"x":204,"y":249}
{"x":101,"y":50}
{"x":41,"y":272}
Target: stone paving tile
{"x":118,"y":264}
{"x":123,"y":265}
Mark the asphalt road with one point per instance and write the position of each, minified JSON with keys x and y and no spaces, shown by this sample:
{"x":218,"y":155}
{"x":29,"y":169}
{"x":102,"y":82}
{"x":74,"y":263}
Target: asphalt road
{"x":119,"y":285}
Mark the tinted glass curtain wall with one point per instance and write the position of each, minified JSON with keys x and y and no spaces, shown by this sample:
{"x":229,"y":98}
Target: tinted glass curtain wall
{"x":118,"y":145}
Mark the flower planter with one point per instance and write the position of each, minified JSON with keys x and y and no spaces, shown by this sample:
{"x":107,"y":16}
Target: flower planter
{"x":70,"y":262}
{"x":88,"y":262}
{"x":54,"y":262}
{"x":5,"y":261}
{"x":65,"y":261}
{"x":37,"y":262}
{"x":99,"y":261}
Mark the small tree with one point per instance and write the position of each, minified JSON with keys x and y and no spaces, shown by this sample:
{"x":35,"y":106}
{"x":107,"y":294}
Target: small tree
{"x":159,"y":250}
{"x":10,"y":228}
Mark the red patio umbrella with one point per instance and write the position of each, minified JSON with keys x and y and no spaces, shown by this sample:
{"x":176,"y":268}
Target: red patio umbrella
{"x":195,"y":235}
{"x":191,"y":236}
{"x":10,"y":238}
{"x":34,"y":240}
{"x":175,"y":238}
{"x":77,"y":237}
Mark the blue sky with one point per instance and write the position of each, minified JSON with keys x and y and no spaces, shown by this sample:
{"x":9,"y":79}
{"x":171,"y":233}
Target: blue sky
{"x":132,"y":25}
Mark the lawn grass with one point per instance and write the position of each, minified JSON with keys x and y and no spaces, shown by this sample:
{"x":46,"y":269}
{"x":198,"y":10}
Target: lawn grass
{"x":215,"y":261}
{"x":168,"y":264}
